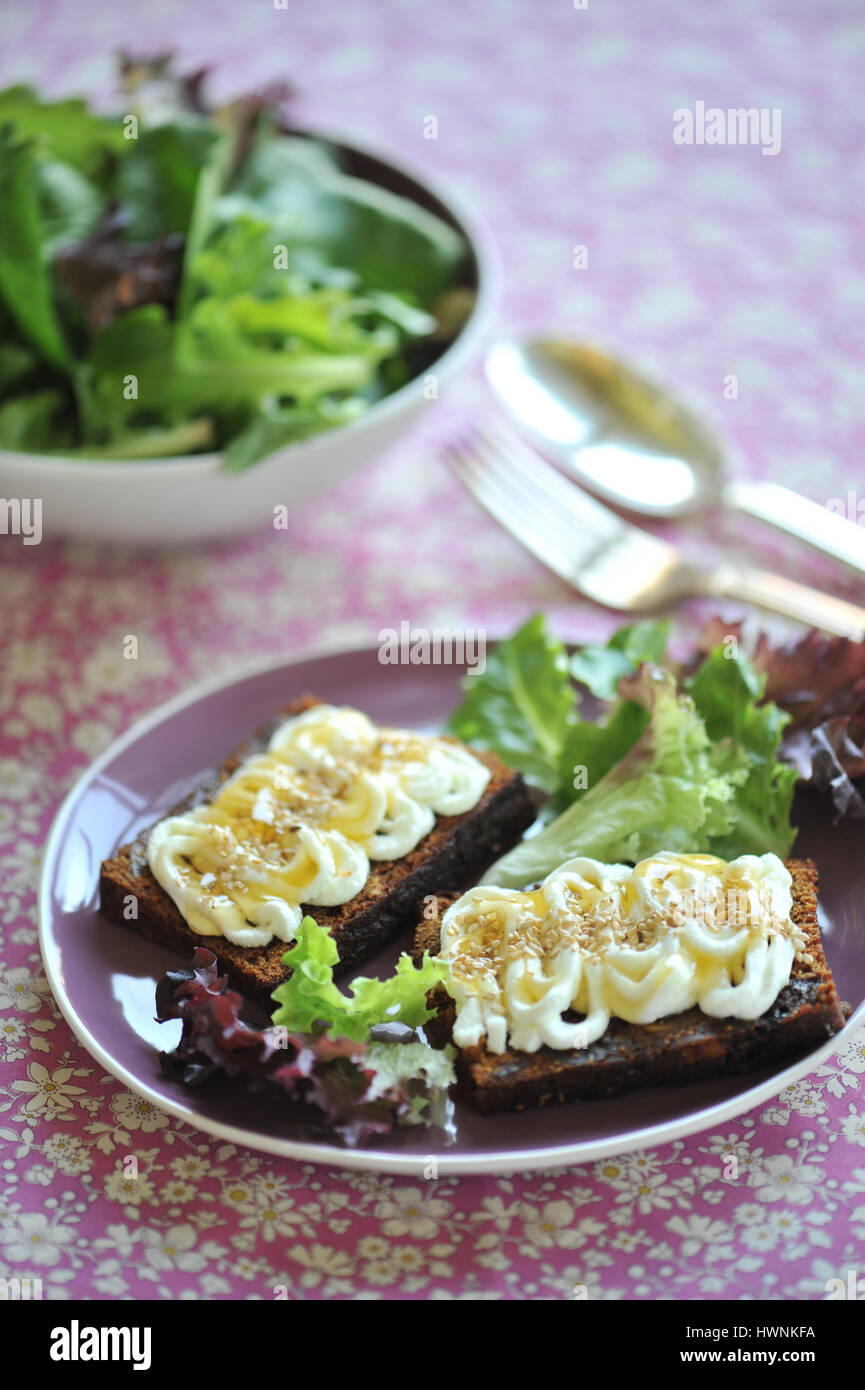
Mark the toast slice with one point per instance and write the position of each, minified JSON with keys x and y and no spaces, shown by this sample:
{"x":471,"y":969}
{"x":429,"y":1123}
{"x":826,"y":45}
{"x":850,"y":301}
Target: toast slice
{"x":455,"y":852}
{"x":673,"y":1051}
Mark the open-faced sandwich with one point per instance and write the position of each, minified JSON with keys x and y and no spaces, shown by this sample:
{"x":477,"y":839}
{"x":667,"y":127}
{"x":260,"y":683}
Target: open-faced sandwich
{"x":320,"y":812}
{"x":607,"y":978}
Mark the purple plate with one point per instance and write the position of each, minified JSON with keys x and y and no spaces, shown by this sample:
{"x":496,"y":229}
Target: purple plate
{"x":104,"y":977}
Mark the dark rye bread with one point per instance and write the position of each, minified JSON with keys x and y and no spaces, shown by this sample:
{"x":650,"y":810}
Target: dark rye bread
{"x":455,"y":853}
{"x":674,"y":1051}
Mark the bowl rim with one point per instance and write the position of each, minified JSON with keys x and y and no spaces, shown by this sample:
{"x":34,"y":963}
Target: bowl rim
{"x":463,"y":345}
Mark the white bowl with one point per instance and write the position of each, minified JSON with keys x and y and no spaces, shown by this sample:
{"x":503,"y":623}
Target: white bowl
{"x":171,"y":501}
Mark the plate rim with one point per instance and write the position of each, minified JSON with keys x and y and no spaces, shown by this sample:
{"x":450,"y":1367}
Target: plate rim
{"x":516,"y":1160}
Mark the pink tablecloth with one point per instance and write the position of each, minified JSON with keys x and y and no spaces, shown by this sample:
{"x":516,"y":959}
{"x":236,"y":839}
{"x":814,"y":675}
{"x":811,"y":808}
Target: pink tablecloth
{"x":705,"y":262}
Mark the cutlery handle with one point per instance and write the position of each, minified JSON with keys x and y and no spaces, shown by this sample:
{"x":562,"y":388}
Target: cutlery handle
{"x":788,"y":511}
{"x":785,"y":596}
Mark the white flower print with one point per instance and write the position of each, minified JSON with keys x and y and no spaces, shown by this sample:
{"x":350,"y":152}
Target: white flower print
{"x":41,"y":1174}
{"x":853,"y":1126}
{"x":609,"y":1170}
{"x":856,"y":1182}
{"x":776,"y":1115}
{"x":628,"y":1241}
{"x":409,"y":1212}
{"x":822,"y":1273}
{"x":12,"y":1032}
{"x":249,"y":1269}
{"x":780,"y":1178}
{"x":212,"y":1285}
{"x":171,"y":1249}
{"x":132,"y":1191}
{"x":189,"y":1167}
{"x":638,"y":1165}
{"x":41,"y":711}
{"x":107,"y":669}
{"x":409,"y":1258}
{"x":703,"y":1233}
{"x":749,"y":1214}
{"x":35,"y":1238}
{"x":21,"y":990}
{"x":90,"y":736}
{"x":111,"y":1284}
{"x":733,"y":1151}
{"x":135,"y":1113}
{"x":118,"y":1239}
{"x":19,"y":782}
{"x":174,"y":1192}
{"x":276,"y":1218}
{"x":75,"y":1163}
{"x":373,"y":1248}
{"x":322,"y":1260}
{"x":490,"y":1254}
{"x":239,"y":1194}
{"x":712,"y":1283}
{"x":25,"y":662}
{"x":380,"y":1272}
{"x":804,"y":1098}
{"x":646,"y":1192}
{"x":554,"y":1225}
{"x":795,"y":1232}
{"x":852,"y":1057}
{"x":494,"y":1209}
{"x":265,"y":1187}
{"x":48,"y":1092}
{"x":21,"y":866}
{"x":61,"y":1148}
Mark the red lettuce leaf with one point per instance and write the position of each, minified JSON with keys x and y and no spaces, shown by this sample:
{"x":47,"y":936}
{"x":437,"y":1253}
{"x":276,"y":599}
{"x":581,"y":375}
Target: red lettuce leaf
{"x":220,"y":1035}
{"x":105,"y":275}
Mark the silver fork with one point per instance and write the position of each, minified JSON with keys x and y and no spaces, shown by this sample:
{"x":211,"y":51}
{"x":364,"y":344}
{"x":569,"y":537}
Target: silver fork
{"x":609,"y":560}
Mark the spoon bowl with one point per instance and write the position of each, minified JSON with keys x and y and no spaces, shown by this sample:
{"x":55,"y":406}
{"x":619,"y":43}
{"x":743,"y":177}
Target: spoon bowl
{"x":627,"y":440}
{"x":624,"y":436}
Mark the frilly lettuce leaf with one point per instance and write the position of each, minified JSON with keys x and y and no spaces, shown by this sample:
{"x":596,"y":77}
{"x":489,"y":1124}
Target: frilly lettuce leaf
{"x":746,"y":734}
{"x":664,"y":794}
{"x":309,"y":1000}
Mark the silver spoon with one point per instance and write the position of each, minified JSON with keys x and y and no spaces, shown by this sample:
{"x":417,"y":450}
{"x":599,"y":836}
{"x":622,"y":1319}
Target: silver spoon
{"x":631,"y":443}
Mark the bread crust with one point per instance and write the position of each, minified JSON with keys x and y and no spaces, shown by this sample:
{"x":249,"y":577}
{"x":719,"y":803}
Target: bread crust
{"x":674,"y":1051}
{"x":456,"y":852}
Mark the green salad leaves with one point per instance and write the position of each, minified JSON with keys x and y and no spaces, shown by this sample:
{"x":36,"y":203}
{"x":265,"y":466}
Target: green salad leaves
{"x":309,"y":1000}
{"x":688,"y":765}
{"x":746,"y":731}
{"x":177,"y":279}
{"x":522,"y":706}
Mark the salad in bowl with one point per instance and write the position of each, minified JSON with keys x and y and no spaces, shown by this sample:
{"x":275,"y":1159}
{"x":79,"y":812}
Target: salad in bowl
{"x":185,"y":283}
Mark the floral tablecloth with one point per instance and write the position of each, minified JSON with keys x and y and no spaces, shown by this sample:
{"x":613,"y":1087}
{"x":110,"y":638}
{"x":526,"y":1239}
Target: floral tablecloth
{"x":707,"y":263}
